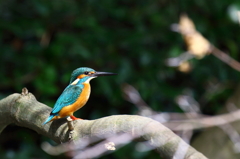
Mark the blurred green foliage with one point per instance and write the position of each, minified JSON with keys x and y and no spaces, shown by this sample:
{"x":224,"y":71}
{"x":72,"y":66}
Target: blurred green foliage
{"x":42,"y":42}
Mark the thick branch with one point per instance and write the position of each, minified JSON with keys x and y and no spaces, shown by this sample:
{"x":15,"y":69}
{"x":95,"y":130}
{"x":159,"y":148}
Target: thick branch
{"x":24,"y":110}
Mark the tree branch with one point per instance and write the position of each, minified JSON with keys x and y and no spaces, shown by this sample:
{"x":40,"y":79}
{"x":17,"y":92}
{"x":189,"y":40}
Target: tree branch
{"x":205,"y":122}
{"x":25,"y":111}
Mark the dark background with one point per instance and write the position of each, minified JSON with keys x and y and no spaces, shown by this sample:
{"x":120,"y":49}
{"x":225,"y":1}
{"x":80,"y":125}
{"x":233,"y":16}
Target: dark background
{"x":42,"y":42}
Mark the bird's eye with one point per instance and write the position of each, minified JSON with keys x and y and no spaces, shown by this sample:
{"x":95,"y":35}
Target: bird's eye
{"x":86,"y":73}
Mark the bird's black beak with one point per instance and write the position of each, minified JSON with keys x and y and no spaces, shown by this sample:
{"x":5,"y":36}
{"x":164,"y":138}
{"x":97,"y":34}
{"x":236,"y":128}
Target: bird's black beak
{"x":96,"y":74}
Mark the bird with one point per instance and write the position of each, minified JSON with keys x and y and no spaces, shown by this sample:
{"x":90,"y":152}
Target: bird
{"x":76,"y":94}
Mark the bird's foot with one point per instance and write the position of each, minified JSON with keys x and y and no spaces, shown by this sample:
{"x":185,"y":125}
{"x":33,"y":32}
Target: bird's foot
{"x":75,"y":118}
{"x":70,"y":128}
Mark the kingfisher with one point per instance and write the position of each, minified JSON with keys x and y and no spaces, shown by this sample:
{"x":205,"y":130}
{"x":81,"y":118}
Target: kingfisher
{"x":76,"y":94}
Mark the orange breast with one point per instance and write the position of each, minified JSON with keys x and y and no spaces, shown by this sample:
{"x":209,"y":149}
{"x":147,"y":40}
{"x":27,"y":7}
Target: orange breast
{"x":81,"y":101}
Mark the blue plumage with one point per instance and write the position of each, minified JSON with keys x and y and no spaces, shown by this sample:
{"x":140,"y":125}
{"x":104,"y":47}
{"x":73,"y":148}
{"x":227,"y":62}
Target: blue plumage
{"x":49,"y":119}
{"x":68,"y":97}
{"x":73,"y":92}
{"x":79,"y":71}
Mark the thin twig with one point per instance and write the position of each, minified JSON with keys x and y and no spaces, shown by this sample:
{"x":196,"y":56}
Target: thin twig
{"x":225,"y":58}
{"x":204,"y":122}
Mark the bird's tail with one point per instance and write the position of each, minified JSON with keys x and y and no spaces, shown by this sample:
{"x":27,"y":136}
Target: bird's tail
{"x":49,"y":118}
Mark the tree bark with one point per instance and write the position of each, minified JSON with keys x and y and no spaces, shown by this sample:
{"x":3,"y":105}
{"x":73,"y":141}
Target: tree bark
{"x":25,"y":111}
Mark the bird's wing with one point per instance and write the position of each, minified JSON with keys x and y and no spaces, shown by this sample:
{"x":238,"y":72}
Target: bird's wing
{"x":68,"y":97}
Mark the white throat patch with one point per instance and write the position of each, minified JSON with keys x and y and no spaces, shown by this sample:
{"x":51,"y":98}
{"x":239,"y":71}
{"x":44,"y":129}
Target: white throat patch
{"x":88,"y":80}
{"x":77,"y":80}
